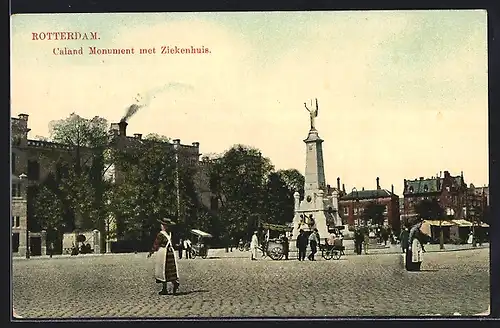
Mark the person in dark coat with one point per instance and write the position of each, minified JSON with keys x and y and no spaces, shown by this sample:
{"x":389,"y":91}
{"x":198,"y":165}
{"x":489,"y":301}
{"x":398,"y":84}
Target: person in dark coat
{"x":404,"y":238}
{"x":286,"y":246}
{"x":358,"y":241}
{"x":301,"y":244}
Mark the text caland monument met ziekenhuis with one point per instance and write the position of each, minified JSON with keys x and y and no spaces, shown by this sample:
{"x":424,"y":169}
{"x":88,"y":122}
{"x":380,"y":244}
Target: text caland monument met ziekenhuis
{"x":319,"y":208}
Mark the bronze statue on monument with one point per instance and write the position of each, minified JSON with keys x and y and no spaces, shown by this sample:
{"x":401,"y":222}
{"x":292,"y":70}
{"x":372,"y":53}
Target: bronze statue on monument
{"x":312,"y":114}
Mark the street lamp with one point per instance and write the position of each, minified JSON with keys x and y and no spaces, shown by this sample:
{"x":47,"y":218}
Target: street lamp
{"x":22,"y":178}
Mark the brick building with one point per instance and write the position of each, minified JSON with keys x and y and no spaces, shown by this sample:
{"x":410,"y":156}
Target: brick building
{"x":38,"y":159}
{"x":477,"y":199}
{"x":450,"y":192}
{"x":351,"y":205}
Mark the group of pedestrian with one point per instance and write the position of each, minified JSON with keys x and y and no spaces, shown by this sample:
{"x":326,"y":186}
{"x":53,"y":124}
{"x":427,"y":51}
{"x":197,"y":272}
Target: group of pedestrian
{"x":362,"y":239}
{"x":303,"y":240}
{"x":185,"y":246}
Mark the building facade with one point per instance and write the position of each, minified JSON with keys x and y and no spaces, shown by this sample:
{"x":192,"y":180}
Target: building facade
{"x":351,"y":205}
{"x":33,"y":161}
{"x":449,"y":191}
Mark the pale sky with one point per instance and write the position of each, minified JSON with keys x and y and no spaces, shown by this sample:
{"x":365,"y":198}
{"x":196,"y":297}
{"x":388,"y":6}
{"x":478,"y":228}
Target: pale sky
{"x":401,"y":94}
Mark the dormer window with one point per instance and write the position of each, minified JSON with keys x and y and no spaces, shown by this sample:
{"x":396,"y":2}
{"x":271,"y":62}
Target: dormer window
{"x":410,"y":189}
{"x":426,"y":188}
{"x":448,"y":188}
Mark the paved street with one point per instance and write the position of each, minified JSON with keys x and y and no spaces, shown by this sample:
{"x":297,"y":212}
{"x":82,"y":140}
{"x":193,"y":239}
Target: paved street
{"x":122,"y":285}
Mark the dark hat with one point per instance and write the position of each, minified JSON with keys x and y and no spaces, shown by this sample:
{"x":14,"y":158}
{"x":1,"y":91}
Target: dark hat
{"x":166,"y":221}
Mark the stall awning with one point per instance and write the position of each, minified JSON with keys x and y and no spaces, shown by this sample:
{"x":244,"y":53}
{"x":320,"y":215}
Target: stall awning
{"x":485,"y":225}
{"x":462,"y":223}
{"x":276,"y":227}
{"x":201,"y":233}
{"x":443,"y":223}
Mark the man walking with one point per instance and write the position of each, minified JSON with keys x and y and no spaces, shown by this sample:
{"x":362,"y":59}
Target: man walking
{"x":313,"y":243}
{"x":404,"y":238}
{"x":301,"y":244}
{"x":254,"y":245}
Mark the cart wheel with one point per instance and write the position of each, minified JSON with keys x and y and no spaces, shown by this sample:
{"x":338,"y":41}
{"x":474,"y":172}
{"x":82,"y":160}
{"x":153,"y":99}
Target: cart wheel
{"x":276,"y":253}
{"x":204,"y":256}
{"x":193,"y":254}
{"x":241,"y":248}
{"x":336,"y":255}
{"x":327,"y":255}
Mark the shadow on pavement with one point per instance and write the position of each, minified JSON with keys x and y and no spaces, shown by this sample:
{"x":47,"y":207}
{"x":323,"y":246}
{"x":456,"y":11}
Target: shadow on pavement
{"x":191,"y":292}
{"x":429,"y":270}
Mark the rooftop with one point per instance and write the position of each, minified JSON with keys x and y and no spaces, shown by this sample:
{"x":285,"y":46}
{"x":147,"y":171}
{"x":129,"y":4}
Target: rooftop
{"x":367,"y":194}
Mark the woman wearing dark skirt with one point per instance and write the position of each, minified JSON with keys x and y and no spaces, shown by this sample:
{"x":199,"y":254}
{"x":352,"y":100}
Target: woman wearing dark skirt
{"x":166,"y":262}
{"x":415,"y":250}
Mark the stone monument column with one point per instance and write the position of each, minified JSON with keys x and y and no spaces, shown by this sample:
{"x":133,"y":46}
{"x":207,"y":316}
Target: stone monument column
{"x":317,"y":204}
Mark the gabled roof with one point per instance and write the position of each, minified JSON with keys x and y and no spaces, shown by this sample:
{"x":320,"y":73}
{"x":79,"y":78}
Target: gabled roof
{"x":422,"y":186}
{"x":367,"y":194}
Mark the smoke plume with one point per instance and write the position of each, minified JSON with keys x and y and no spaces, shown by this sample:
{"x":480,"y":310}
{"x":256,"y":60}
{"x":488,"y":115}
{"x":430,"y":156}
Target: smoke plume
{"x":143,"y":101}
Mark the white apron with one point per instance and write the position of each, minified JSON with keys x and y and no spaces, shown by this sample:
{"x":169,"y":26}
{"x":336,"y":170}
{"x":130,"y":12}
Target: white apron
{"x":417,"y":255}
{"x":161,"y":259}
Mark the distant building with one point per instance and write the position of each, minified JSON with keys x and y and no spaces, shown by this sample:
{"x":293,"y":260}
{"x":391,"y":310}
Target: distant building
{"x":351,"y":205}
{"x":450,"y":192}
{"x":478,"y":201}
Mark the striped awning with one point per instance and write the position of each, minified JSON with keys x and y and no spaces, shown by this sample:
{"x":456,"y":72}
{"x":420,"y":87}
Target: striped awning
{"x":276,"y":227}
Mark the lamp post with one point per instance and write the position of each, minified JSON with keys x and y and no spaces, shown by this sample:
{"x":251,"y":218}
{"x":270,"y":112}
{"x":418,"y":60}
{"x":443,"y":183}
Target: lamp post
{"x":22,"y":178}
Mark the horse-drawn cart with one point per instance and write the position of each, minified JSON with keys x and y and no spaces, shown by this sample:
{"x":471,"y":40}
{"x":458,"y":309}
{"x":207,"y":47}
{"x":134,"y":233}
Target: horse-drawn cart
{"x":200,"y":248}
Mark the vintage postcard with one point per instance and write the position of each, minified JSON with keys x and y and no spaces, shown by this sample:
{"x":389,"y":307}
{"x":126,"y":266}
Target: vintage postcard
{"x":250,"y":164}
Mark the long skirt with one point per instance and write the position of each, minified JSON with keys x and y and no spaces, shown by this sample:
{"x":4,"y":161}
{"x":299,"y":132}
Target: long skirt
{"x":414,"y":257}
{"x":166,"y":266}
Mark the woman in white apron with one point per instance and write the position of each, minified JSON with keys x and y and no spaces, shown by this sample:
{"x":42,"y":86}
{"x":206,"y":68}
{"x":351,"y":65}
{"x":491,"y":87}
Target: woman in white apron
{"x":166,"y":261}
{"x":414,"y":254}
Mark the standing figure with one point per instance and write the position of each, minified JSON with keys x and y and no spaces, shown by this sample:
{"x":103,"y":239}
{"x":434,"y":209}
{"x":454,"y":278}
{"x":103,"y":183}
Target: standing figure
{"x":181,"y":247}
{"x":403,"y":237}
{"x":301,"y":244}
{"x":313,"y":113}
{"x":313,"y":243}
{"x":414,"y":253}
{"x":286,"y":246}
{"x":254,"y":245}
{"x":165,"y":262}
{"x":187,"y":247}
{"x":366,"y":240}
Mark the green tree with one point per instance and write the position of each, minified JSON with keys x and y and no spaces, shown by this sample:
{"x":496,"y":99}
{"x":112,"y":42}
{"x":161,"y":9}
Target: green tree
{"x":294,"y":180}
{"x":49,"y":212}
{"x":239,"y":179}
{"x":82,"y":181}
{"x":430,"y":209}
{"x":374,"y":213}
{"x":279,"y":200}
{"x":148,"y":190}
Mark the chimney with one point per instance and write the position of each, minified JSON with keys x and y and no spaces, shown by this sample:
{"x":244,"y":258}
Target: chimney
{"x":123,"y":128}
{"x":392,"y":189}
{"x":343,"y":188}
{"x":114,"y":128}
{"x":446,"y":174}
{"x":138,"y":136}
{"x":421,"y":178}
{"x":362,"y":188}
{"x":23,"y":117}
{"x":196,"y":144}
{"x":338,"y":184}
{"x":378,"y":183}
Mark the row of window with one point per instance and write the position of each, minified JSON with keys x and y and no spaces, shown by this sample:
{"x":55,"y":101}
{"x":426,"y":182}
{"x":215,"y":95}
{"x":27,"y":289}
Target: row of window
{"x":358,"y":210}
{"x":33,"y":168}
{"x":16,"y":190}
{"x":16,"y":221}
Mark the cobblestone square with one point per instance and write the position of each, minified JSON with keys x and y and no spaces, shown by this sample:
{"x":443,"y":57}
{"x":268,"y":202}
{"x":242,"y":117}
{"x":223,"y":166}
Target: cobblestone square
{"x":231,"y":285}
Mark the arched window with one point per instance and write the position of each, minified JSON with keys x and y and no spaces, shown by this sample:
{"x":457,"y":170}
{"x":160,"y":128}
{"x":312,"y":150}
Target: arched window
{"x":410,"y":189}
{"x":426,"y":188}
